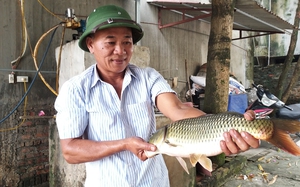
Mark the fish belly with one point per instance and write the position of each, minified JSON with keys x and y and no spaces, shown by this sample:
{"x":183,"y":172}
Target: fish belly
{"x":208,"y":149}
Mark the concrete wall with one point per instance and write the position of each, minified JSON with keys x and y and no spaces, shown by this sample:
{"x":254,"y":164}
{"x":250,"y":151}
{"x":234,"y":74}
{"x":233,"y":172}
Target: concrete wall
{"x":171,"y":47}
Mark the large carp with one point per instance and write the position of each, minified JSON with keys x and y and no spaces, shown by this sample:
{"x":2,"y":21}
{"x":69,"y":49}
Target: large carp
{"x":197,"y":138}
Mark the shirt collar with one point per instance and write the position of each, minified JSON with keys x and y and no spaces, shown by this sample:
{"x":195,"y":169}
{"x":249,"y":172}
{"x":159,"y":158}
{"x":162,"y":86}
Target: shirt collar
{"x":96,"y":77}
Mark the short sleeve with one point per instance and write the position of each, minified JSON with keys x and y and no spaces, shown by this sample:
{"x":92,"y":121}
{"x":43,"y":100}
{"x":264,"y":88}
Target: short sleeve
{"x":71,"y":117}
{"x":158,"y":84}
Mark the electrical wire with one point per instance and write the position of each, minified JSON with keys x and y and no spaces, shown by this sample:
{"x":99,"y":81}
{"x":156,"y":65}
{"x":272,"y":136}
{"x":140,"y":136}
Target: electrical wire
{"x":49,"y":10}
{"x":33,"y":80}
{"x":27,"y":41}
{"x":59,"y":58}
{"x":35,"y":55}
{"x":24,"y":34}
{"x":24,"y":113}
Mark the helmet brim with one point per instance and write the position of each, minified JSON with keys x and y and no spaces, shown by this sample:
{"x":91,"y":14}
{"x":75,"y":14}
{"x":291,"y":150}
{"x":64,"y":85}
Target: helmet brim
{"x":137,"y":32}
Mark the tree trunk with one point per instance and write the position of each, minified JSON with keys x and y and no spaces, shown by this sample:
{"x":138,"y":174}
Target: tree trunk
{"x":292,"y":83}
{"x":218,"y":59}
{"x":288,"y":61}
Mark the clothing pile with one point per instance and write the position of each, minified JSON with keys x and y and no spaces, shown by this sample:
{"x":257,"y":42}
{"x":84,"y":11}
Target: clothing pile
{"x":197,"y":91}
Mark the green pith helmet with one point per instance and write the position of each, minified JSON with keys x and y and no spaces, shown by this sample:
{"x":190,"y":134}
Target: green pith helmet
{"x":106,"y":17}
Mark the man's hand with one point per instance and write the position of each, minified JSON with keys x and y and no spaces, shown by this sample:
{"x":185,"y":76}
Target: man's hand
{"x":137,"y":146}
{"x":234,"y":142}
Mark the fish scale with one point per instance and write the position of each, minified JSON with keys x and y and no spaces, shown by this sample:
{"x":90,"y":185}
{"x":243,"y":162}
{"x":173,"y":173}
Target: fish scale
{"x":211,"y":128}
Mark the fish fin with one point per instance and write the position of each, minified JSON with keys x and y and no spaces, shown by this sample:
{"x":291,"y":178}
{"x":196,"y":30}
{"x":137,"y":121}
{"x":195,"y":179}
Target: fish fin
{"x":183,"y":164}
{"x":281,"y":137}
{"x":202,"y":159}
{"x":194,"y":159}
{"x":290,"y":126}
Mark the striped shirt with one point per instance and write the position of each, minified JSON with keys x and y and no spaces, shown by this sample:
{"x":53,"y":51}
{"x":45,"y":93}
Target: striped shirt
{"x":88,"y":106}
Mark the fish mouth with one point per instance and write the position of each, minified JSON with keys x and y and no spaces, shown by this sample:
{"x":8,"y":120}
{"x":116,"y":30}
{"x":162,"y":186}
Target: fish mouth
{"x":158,"y":138}
{"x":150,"y":154}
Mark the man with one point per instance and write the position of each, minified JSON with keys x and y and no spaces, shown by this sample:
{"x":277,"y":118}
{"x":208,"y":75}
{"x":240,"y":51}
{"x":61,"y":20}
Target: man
{"x":105,"y":115}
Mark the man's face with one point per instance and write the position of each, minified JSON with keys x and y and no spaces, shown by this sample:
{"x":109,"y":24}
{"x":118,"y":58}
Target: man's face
{"x":112,"y":48}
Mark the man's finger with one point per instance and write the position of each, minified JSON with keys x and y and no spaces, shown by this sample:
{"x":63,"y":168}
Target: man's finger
{"x":142,"y":155}
{"x":239,"y":140}
{"x":231,"y":145}
{"x":251,"y":141}
{"x":249,"y":115}
{"x":150,"y":147}
{"x":224,"y":148}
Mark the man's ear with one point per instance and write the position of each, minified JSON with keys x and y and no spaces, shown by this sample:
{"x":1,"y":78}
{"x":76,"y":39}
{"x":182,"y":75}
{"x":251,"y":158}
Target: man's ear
{"x":89,"y":44}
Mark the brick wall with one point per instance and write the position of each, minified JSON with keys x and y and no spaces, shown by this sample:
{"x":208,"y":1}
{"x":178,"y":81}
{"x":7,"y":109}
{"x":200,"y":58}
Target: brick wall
{"x":268,"y":76}
{"x":24,"y":159}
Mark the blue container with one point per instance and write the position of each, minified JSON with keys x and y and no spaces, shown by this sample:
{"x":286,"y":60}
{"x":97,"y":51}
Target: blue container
{"x":237,"y":103}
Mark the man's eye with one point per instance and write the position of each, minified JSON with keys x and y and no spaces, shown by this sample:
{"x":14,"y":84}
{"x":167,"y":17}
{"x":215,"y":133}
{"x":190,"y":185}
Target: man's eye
{"x":111,"y":43}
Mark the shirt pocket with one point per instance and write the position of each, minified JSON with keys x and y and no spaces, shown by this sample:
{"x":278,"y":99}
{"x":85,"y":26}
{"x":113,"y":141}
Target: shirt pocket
{"x":141,"y":118}
{"x":105,"y":125}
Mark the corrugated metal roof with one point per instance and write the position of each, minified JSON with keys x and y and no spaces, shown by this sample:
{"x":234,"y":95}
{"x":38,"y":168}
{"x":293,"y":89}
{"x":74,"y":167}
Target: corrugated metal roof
{"x":248,"y":16}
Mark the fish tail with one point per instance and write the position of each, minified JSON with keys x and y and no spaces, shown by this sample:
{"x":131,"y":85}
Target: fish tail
{"x":281,"y":137}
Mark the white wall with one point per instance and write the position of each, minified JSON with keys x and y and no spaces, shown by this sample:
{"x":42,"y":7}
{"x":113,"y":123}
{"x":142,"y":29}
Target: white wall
{"x":170,"y":47}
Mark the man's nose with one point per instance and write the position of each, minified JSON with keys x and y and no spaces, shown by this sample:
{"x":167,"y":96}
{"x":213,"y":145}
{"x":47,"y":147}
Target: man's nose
{"x":119,"y":49}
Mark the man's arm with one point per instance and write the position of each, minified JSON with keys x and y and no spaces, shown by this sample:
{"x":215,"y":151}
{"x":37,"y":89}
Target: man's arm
{"x":78,"y":150}
{"x":173,"y":108}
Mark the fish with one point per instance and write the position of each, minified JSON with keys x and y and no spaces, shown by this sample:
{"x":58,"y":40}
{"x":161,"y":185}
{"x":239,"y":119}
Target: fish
{"x":199,"y":138}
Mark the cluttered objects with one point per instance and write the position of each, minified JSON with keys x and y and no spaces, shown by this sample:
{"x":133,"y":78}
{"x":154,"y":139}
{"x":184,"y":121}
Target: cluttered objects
{"x":237,"y":94}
